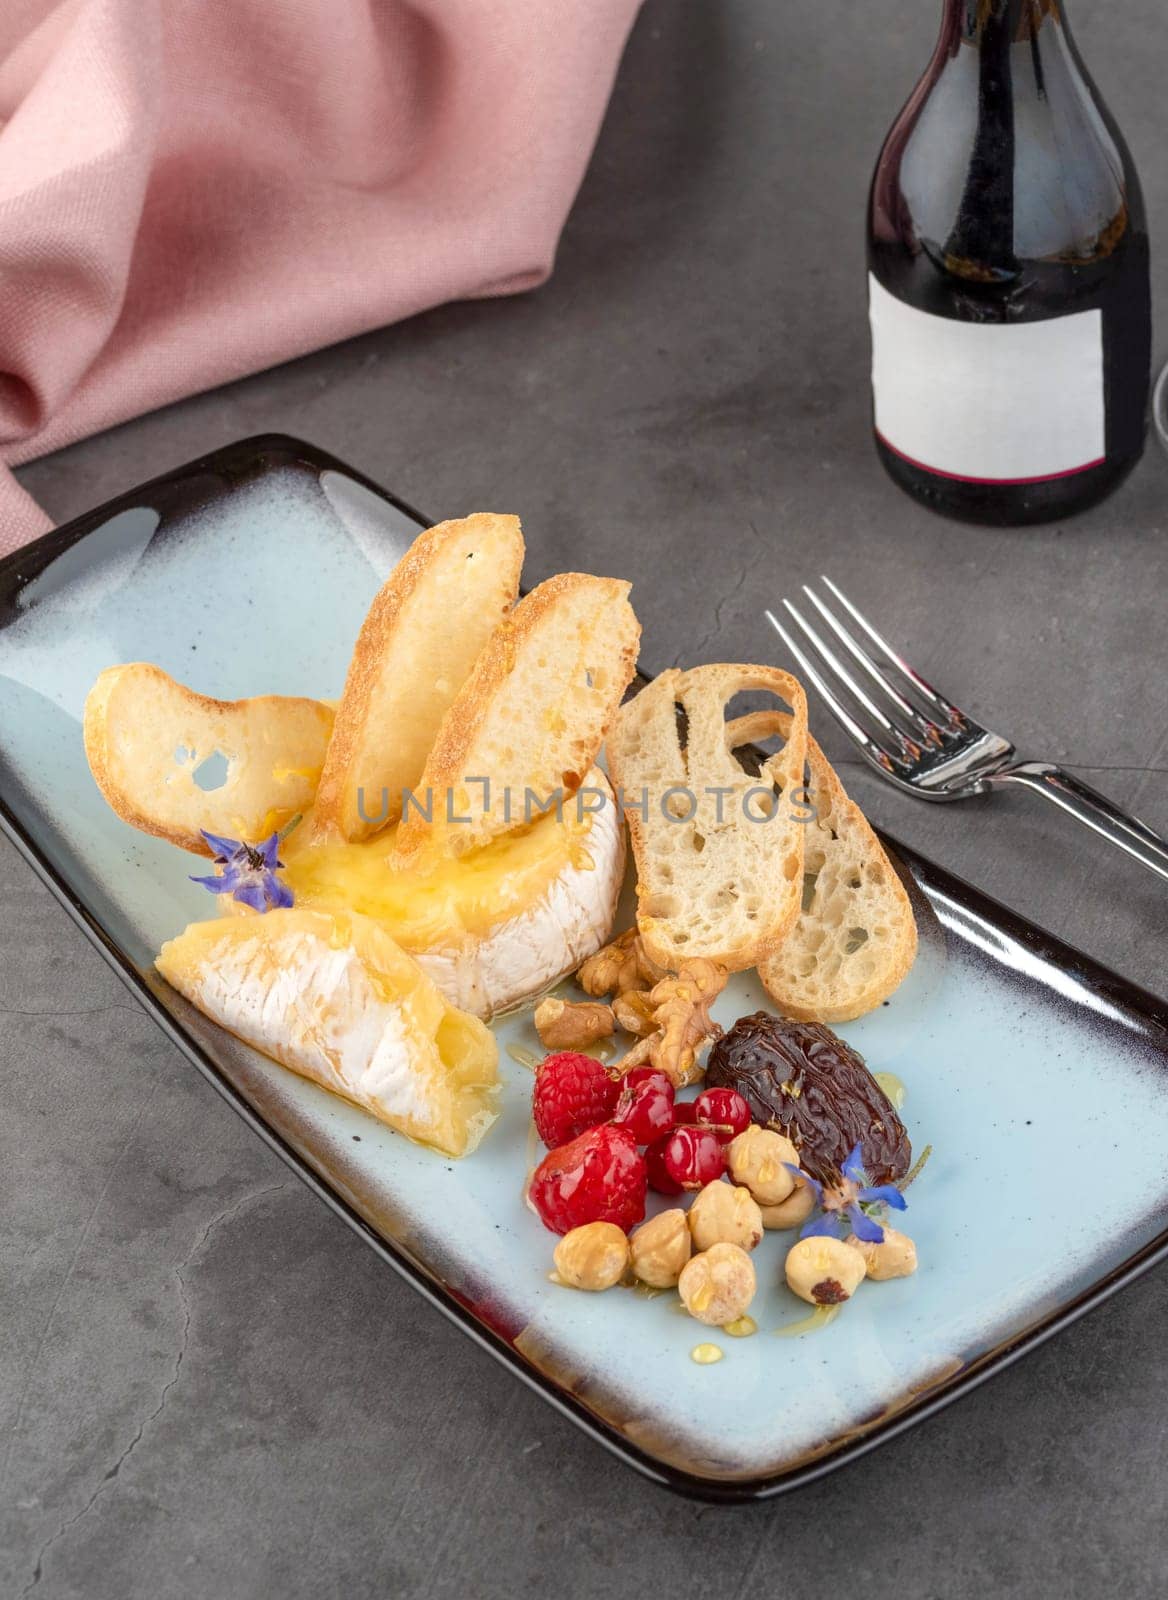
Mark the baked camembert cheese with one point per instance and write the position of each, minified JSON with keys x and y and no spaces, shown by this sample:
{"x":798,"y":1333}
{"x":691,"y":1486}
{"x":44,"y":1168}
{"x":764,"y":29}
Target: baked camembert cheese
{"x":334,"y":998}
{"x":491,"y":928}
{"x":363,"y":946}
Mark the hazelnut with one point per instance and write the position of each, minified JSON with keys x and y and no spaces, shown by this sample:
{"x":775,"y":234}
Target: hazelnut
{"x":895,"y":1258}
{"x":792,"y":1211}
{"x":824,"y":1271}
{"x":723,"y":1214}
{"x":718,"y":1285}
{"x":756,"y":1158}
{"x":660,"y":1248}
{"x":592,"y":1257}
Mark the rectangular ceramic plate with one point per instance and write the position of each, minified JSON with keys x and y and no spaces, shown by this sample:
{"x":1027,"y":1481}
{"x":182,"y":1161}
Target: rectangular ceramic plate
{"x":249,"y":572}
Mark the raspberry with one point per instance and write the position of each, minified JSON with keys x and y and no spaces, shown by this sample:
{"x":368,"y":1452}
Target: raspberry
{"x":599,"y":1177}
{"x":572,"y":1093}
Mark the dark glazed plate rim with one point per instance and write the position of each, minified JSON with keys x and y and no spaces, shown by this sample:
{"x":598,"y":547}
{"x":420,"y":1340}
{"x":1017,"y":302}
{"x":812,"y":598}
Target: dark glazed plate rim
{"x":180,"y":489}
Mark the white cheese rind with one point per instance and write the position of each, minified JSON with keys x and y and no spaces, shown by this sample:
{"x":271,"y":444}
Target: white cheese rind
{"x":316,"y":1011}
{"x":520,"y":958}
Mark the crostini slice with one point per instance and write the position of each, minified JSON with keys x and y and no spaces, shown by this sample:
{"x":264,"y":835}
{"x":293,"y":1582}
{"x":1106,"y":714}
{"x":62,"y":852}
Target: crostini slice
{"x":719,"y":851}
{"x":530,"y":719}
{"x":856,"y":938}
{"x":147,"y":736}
{"x":416,"y":648}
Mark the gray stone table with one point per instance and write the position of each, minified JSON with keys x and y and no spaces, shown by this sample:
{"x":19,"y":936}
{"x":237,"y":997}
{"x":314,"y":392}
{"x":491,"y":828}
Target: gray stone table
{"x":208,"y":1388}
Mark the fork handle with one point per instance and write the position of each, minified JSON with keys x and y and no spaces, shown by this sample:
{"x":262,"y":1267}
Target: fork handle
{"x":1095,"y":809}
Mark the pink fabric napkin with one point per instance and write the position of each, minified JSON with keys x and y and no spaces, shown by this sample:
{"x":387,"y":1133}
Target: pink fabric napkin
{"x":191,"y":190}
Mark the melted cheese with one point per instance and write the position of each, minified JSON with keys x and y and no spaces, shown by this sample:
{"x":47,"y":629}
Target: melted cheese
{"x":439,"y":902}
{"x":490,"y":929}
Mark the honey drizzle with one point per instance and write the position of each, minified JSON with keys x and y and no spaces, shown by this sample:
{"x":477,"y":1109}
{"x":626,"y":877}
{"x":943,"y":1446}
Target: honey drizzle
{"x":532,"y":1162}
{"x":523,"y":1057}
{"x":893,"y":1088}
{"x":706,"y":1354}
{"x":819,"y":1318}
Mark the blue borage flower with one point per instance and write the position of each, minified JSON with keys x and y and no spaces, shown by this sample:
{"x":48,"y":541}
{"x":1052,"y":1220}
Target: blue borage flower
{"x":248,"y":872}
{"x":850,"y":1197}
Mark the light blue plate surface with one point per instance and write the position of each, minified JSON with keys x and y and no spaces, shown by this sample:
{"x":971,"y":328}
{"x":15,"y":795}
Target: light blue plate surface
{"x":252,"y":575}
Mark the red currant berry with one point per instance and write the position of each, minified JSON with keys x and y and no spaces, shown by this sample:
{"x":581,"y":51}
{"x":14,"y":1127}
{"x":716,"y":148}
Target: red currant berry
{"x":645,"y":1107}
{"x":648,"y":1075}
{"x":656,"y":1170}
{"x":693,"y":1157}
{"x":725,"y":1109}
{"x":683,"y":1113}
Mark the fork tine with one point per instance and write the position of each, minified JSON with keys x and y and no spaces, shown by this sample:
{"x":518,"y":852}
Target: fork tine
{"x":903,"y":743}
{"x":875,"y":754}
{"x":937,"y":702}
{"x":919,"y":725}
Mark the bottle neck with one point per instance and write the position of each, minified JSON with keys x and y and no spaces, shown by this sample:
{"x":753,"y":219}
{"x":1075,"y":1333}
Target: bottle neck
{"x":980,"y":245}
{"x":991,"y":23}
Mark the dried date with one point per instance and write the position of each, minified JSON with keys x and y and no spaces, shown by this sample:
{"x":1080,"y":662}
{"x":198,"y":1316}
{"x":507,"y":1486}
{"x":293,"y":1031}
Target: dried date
{"x":803,"y":1080}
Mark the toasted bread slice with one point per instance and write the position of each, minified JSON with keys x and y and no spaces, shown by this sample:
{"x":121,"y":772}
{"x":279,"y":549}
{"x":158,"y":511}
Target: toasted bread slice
{"x":713,"y":878}
{"x":855,"y":938}
{"x":146,"y":735}
{"x":531,"y":716}
{"x":334,"y":998}
{"x":415,"y":650}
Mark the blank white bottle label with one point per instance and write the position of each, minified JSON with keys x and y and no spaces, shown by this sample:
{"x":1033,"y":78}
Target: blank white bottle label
{"x":988,"y":402}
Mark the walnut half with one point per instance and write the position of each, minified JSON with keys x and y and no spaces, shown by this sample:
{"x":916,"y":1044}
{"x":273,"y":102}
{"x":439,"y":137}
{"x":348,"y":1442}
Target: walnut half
{"x":622,"y":966}
{"x":634,"y":1013}
{"x":679,"y":1009}
{"x":565,"y":1025}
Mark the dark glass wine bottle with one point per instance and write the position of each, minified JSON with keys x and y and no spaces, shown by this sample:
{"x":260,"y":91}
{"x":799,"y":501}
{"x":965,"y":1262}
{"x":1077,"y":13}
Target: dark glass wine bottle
{"x":1008,"y":277}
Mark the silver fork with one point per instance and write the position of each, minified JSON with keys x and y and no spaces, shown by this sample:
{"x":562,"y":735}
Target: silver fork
{"x":922,"y":742}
